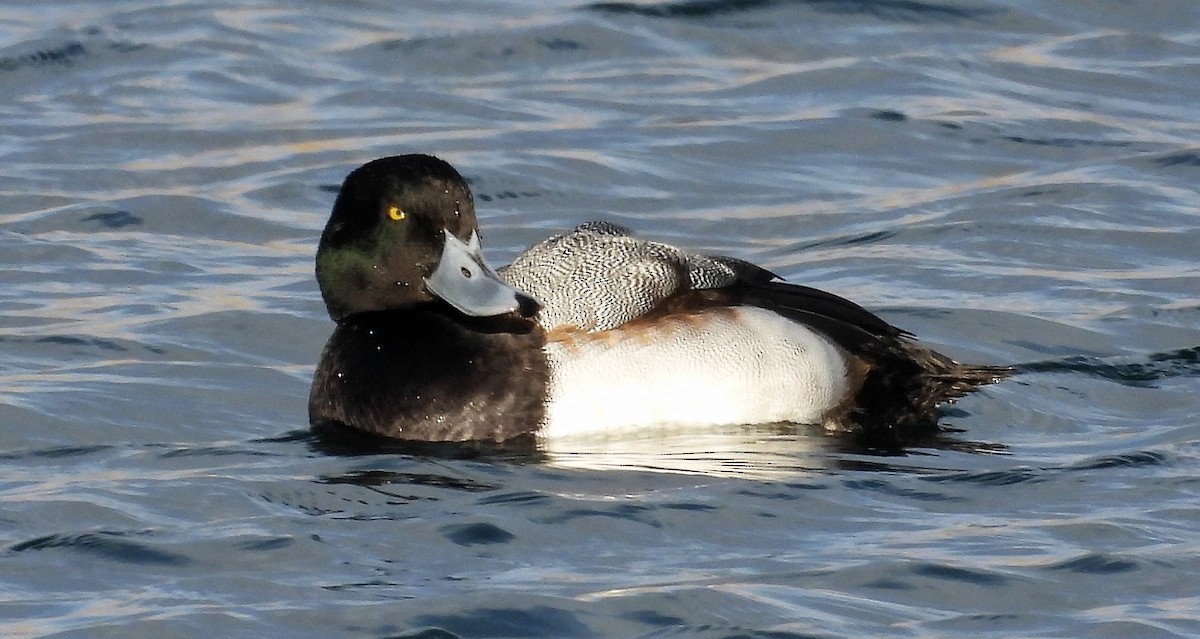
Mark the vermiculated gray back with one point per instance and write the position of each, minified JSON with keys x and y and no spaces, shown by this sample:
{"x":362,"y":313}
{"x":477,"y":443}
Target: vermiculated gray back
{"x":598,"y":276}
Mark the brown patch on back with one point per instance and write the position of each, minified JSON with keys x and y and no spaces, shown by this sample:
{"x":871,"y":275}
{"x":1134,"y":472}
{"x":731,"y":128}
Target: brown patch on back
{"x":564,"y":333}
{"x":690,"y":308}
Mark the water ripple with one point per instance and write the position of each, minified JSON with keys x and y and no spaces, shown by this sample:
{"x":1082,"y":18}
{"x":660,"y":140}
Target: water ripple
{"x":105,"y":544}
{"x":954,"y":573}
{"x":1097,"y":564}
{"x":886,"y":9}
{"x":1184,"y":362}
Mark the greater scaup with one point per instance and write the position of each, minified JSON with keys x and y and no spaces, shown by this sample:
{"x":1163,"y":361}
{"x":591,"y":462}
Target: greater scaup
{"x":590,"y":331}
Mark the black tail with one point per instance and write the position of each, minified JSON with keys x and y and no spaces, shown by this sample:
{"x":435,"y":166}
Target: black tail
{"x":904,"y":386}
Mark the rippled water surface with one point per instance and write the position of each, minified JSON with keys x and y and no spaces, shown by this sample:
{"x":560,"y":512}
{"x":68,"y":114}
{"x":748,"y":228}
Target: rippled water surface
{"x":1015,"y":182}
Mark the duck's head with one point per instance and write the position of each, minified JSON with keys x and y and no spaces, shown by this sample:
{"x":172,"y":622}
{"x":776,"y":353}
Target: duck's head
{"x":402,"y":233}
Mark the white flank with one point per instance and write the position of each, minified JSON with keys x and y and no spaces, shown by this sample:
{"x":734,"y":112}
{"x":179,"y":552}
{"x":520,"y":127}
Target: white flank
{"x":725,"y":366}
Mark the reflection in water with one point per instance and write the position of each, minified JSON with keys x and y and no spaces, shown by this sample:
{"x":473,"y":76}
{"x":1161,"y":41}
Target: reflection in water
{"x":333,"y":439}
{"x":765,"y":452}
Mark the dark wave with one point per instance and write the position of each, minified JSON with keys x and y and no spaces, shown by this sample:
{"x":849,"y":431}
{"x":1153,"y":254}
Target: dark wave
{"x":108,"y":545}
{"x":64,"y":54}
{"x":629,"y":512}
{"x":369,"y":478}
{"x":115,"y":219}
{"x":1137,"y":459}
{"x":852,"y":240}
{"x":888,"y":115}
{"x":1067,"y":143}
{"x":537,"y":621}
{"x":992,"y":477}
{"x":215,"y":451}
{"x":86,"y":342}
{"x":426,"y":633}
{"x":1184,"y":362}
{"x":1096,"y":564}
{"x":909,"y":10}
{"x":1183,"y":158}
{"x":520,"y":497}
{"x":955,"y":573}
{"x":889,"y":488}
{"x":57,"y":452}
{"x":505,"y":195}
{"x":479,"y":533}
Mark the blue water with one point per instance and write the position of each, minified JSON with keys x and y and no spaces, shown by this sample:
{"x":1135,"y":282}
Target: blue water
{"x":1015,"y":182}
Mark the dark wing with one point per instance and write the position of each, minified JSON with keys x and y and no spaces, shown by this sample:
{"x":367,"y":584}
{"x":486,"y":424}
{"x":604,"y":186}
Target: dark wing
{"x":598,"y":276}
{"x":850,"y":325}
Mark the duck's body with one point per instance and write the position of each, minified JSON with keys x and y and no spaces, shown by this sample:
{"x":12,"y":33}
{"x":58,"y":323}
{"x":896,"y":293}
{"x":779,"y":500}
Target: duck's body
{"x":431,"y":345}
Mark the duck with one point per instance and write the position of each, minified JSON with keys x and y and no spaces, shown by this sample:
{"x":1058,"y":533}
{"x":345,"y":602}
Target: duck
{"x":591,"y":331}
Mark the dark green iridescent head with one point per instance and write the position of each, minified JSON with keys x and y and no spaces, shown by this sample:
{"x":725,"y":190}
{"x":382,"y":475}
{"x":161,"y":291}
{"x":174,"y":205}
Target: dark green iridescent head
{"x":403,"y":232}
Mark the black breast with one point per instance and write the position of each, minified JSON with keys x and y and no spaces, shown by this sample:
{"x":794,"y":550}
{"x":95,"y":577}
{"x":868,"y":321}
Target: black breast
{"x":424,"y":375}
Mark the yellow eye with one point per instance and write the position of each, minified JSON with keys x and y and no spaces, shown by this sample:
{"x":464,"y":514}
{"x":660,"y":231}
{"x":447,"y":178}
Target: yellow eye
{"x":395,"y":213}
